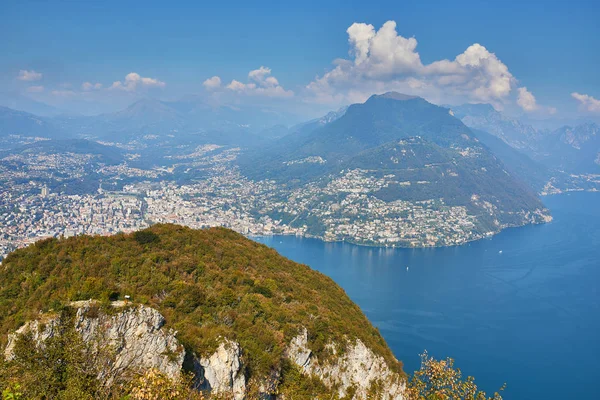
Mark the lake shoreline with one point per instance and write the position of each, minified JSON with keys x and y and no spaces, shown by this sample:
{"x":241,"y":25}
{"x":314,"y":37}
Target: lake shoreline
{"x":508,"y":309}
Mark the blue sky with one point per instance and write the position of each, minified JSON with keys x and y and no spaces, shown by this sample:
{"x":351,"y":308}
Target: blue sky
{"x":549,"y":48}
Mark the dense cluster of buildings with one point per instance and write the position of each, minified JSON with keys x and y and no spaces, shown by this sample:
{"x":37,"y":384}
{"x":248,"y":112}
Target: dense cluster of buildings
{"x":25,"y":219}
{"x":348,"y":209}
{"x":344,"y":210}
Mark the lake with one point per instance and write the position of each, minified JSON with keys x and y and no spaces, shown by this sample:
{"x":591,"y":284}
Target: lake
{"x":522,"y":307}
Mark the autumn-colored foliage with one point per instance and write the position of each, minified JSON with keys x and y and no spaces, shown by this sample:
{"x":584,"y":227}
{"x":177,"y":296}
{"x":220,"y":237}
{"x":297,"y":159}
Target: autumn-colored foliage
{"x":153,"y":385}
{"x":209,"y":284}
{"x":440,"y":380}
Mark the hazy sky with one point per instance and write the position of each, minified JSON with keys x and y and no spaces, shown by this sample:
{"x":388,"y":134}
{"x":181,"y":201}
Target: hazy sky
{"x":534,"y":57}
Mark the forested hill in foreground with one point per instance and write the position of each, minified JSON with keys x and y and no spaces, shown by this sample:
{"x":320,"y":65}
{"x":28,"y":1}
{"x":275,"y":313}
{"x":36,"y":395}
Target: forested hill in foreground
{"x":212,"y":286}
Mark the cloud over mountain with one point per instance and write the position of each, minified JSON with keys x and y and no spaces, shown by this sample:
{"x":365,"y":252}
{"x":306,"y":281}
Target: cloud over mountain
{"x":383,"y":60}
{"x":526,"y":100}
{"x":380,"y":60}
{"x":134,"y":81}
{"x":260,"y":83}
{"x":587,"y":102}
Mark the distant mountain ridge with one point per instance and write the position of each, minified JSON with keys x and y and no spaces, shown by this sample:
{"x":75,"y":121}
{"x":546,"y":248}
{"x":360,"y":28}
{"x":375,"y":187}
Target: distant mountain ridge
{"x":190,"y":116}
{"x":580,"y":135}
{"x":382,"y":118}
{"x":313,"y":124}
{"x":13,"y":122}
{"x":486,"y":118}
{"x":19,"y":102}
{"x":573,"y":149}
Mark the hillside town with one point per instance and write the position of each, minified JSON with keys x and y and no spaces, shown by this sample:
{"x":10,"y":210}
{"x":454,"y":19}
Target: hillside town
{"x":345,"y":209}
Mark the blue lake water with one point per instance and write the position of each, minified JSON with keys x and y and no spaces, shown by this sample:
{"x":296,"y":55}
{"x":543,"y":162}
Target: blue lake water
{"x":528,"y":316}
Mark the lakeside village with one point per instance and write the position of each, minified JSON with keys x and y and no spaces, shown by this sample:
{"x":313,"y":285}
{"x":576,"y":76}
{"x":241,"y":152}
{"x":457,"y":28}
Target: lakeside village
{"x":227,"y":200}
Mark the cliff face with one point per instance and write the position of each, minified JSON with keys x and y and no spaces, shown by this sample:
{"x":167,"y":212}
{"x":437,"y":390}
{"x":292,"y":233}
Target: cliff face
{"x":222,"y":371}
{"x":136,"y":337}
{"x":357,"y":368}
{"x":139,"y":341}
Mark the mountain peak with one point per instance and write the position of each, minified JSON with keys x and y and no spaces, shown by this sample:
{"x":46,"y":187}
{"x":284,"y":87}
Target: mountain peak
{"x":395,"y":96}
{"x":146,"y":102}
{"x":147,"y":109}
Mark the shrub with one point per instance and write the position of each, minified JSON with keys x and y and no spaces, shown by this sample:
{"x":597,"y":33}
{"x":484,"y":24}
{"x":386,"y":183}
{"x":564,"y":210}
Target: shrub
{"x":439,"y":379}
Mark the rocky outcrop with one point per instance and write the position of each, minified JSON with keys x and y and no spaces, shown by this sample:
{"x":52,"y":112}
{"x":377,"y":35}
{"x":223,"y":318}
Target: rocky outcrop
{"x":357,"y":368}
{"x":138,"y":340}
{"x":135,"y":337}
{"x":40,"y":330}
{"x":222,"y":372}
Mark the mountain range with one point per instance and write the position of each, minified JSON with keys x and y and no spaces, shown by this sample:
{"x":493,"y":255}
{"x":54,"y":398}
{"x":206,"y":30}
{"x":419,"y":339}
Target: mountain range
{"x":424,"y":151}
{"x":485,"y":117}
{"x":573,"y":149}
{"x":19,"y":102}
{"x":189,"y":116}
{"x":13,"y":122}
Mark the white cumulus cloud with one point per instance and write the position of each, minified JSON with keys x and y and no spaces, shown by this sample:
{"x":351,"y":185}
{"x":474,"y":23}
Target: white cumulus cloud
{"x":526,"y":100}
{"x":134,"y":81}
{"x":382,"y":60}
{"x":87,"y":86}
{"x":261,"y":83}
{"x":212,"y":83}
{"x":29,"y":76}
{"x":587,"y":102}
